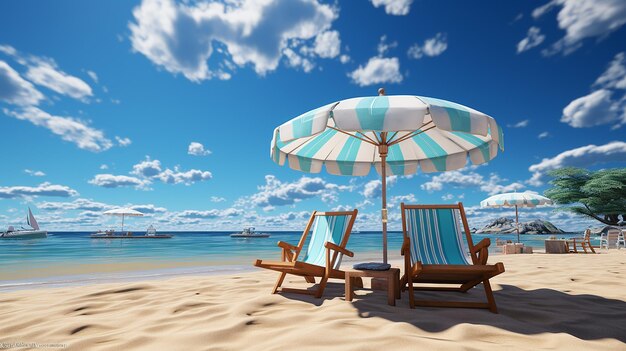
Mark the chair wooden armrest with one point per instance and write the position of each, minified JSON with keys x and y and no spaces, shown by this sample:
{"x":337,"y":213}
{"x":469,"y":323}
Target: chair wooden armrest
{"x":482,"y":251}
{"x":334,"y":247}
{"x":405,"y":246}
{"x":287,"y":246}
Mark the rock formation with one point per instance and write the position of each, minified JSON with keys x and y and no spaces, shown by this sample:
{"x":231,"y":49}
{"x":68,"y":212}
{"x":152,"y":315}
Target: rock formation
{"x":505,"y":225}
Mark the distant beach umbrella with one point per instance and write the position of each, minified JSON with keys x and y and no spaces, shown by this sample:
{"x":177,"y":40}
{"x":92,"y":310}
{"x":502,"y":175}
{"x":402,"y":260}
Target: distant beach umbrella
{"x":396,"y":134}
{"x":516,"y":200}
{"x":123,"y":212}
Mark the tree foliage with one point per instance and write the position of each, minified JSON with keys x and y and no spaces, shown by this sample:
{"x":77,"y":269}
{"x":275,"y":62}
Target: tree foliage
{"x":598,"y":194}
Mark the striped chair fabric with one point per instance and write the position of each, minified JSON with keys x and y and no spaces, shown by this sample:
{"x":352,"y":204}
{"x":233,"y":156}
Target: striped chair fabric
{"x":436,"y":237}
{"x":325,"y":229}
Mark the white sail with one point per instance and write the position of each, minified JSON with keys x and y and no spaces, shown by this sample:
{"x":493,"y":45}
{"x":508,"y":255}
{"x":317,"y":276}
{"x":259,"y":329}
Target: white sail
{"x":31,"y":220}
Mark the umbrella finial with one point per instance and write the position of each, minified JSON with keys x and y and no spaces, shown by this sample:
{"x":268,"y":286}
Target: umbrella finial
{"x":381,"y":91}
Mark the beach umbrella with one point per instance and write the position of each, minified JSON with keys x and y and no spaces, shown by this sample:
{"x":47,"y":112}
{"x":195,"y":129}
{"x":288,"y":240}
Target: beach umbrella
{"x":396,"y":134}
{"x":516,"y":200}
{"x":123,"y":212}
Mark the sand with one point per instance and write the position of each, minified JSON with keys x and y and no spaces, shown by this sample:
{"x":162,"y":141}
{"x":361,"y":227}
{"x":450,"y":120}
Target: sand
{"x":563,"y":302}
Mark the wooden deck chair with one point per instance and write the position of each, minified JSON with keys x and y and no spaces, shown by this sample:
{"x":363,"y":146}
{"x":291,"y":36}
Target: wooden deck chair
{"x":584,"y":242}
{"x":329,"y":232}
{"x":434,"y":253}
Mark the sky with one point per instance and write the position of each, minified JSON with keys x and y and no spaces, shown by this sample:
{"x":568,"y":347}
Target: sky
{"x":169,"y":107}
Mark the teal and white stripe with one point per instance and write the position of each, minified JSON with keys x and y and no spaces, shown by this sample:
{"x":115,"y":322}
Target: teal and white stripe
{"x":525,"y":199}
{"x":436,"y":237}
{"x":325,"y":229}
{"x":330,"y":136}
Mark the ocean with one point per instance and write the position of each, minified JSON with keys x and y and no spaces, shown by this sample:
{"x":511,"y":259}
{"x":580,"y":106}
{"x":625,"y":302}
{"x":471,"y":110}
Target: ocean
{"x":75,"y":257}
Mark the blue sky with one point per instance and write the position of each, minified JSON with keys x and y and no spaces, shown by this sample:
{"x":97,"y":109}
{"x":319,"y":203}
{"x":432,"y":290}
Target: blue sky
{"x":170,"y":106}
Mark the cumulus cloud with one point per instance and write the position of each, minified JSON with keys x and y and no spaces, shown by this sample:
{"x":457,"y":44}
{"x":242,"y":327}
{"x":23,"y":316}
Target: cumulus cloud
{"x":46,"y":73}
{"x":151,"y":169}
{"x":584,"y":156}
{"x":16,"y":90}
{"x":394,"y":7}
{"x":69,"y":129}
{"x":583,"y":19}
{"x":148,"y":208}
{"x":543,"y":135}
{"x":210,"y":214}
{"x":533,"y":38}
{"x":197,"y":149}
{"x":374,"y":188}
{"x":605,"y":105}
{"x":117,"y":181}
{"x":217,"y":199}
{"x":432,"y":47}
{"x":377,"y":70}
{"x":327,"y":44}
{"x":34,"y":173}
{"x":469,"y":179}
{"x":43,"y":189}
{"x":184,"y":37}
{"x":78,"y":204}
{"x":123,"y":142}
{"x":93,"y":76}
{"x":277,"y":193}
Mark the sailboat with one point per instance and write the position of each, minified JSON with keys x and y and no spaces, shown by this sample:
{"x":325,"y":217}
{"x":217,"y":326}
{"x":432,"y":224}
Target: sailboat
{"x":35,"y":233}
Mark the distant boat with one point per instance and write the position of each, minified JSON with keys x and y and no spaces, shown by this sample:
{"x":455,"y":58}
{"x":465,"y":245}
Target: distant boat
{"x":249,"y":233}
{"x":110,"y":234}
{"x":34,"y":233}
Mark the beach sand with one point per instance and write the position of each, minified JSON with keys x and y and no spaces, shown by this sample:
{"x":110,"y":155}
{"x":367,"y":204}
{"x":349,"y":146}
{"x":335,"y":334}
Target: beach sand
{"x":573,"y":302}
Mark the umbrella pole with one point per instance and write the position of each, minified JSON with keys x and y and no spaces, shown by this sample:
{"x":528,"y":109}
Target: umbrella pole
{"x":122,"y":223}
{"x":383,"y":158}
{"x":517,"y":223}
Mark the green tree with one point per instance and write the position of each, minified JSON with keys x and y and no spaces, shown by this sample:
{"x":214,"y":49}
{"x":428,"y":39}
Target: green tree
{"x":600,"y":195}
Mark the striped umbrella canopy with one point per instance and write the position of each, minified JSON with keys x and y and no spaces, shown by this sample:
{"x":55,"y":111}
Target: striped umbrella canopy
{"x":516,"y":200}
{"x":123,"y":212}
{"x":398,"y":135}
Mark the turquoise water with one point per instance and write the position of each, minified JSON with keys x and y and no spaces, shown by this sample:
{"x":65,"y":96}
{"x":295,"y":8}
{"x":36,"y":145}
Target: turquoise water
{"x":215,"y":248}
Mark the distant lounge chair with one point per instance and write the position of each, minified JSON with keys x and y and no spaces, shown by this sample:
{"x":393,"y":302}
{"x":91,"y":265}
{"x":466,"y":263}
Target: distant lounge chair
{"x":434,"y":253}
{"x":584,"y":243}
{"x":621,"y":240}
{"x":330,"y":232}
{"x":610,"y":238}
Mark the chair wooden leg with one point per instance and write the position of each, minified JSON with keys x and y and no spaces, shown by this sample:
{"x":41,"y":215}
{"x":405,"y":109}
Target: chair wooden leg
{"x":411,"y":292}
{"x":279,"y":282}
{"x":321,"y":288}
{"x":490,"y":299}
{"x":309,"y":279}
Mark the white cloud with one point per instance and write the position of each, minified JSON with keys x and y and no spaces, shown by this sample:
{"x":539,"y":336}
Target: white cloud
{"x":584,"y":156}
{"x":197,"y":149}
{"x":615,"y":75}
{"x":183,"y":37}
{"x":384,"y":46}
{"x":148,"y":208}
{"x":394,"y":7}
{"x":43,"y":189}
{"x":327,"y":44}
{"x":277,"y":193}
{"x":374,"y":188}
{"x":104,"y":166}
{"x":16,"y":90}
{"x":93,"y":76}
{"x":69,"y":129}
{"x":78,"y":204}
{"x":606,"y":105}
{"x":185,"y":177}
{"x":377,"y":70}
{"x":432,"y":47}
{"x":210,"y":214}
{"x":34,"y":173}
{"x":123,"y":142}
{"x":543,"y":135}
{"x":45,"y":72}
{"x":582,"y":19}
{"x":117,"y":181}
{"x":520,"y":124}
{"x":151,"y":169}
{"x":460,"y":179}
{"x":217,"y":199}
{"x":295,"y":60}
{"x":532,"y":39}
{"x":344,"y":59}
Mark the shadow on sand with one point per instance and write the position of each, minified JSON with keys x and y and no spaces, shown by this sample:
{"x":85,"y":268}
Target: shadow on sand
{"x":528,"y":312}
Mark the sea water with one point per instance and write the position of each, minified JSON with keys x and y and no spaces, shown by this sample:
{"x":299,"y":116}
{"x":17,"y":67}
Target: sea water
{"x":185,"y":253}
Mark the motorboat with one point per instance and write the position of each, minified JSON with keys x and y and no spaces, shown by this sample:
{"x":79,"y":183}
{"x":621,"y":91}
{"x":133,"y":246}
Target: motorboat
{"x":34,"y":233}
{"x":249,"y":233}
{"x":111,"y":234}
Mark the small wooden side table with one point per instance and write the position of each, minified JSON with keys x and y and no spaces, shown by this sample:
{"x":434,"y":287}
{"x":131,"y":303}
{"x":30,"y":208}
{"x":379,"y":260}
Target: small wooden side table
{"x":393,"y":280}
{"x":556,"y":246}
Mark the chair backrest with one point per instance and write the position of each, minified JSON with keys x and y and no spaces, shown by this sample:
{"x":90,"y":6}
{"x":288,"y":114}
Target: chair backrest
{"x":334,"y":227}
{"x":435,"y":235}
{"x":612,"y":235}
